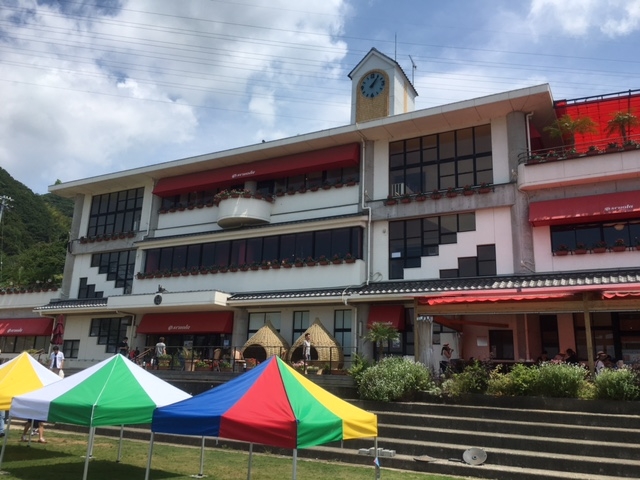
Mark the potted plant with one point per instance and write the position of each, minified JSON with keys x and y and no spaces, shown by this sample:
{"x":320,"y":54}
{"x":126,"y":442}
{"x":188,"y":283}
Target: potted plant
{"x":421,"y":197}
{"x":287,"y":264}
{"x":467,"y":190}
{"x":565,"y":128}
{"x":613,"y":147}
{"x":322,"y":260}
{"x":451,"y":192}
{"x":348,"y":258}
{"x":600,"y":246}
{"x":336,"y":259}
{"x":630,"y":145}
{"x":351,"y":182}
{"x":572,"y":153}
{"x":164,"y":362}
{"x":562,"y":250}
{"x":201,"y":365}
{"x":622,"y":122}
{"x":390,"y":200}
{"x":580,"y":249}
{"x":435,"y":194}
{"x":298,"y":262}
{"x":619,"y":245}
{"x":310,"y":262}
{"x":484,"y":188}
{"x":275,"y":264}
{"x":593,"y":150}
{"x":406,"y":198}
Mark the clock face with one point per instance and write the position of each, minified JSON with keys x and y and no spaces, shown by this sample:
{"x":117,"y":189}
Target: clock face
{"x":372,"y":85}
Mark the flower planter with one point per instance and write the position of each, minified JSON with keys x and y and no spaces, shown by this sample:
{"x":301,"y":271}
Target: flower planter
{"x":561,"y":253}
{"x":336,"y":262}
{"x":390,"y":202}
{"x":618,"y":248}
{"x":405,"y":200}
{"x":599,"y":249}
{"x":275,"y":266}
{"x":421,"y":198}
{"x":350,"y":260}
{"x":324,"y":262}
{"x":580,"y":251}
{"x":484,"y":190}
{"x":467,"y":193}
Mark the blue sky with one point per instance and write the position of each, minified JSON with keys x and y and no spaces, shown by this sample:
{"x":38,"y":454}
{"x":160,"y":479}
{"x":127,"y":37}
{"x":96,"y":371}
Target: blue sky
{"x":96,"y":86}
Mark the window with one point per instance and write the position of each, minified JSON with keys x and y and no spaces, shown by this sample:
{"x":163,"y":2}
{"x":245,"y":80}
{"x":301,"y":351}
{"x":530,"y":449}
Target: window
{"x":338,"y":241}
{"x":501,"y":344}
{"x":109,"y":331}
{"x":588,"y":234}
{"x":342,"y":324}
{"x":20,"y":344}
{"x":482,"y":265}
{"x":259,"y":319}
{"x":119,"y":266}
{"x":70,"y":348}
{"x":410,"y":240}
{"x":88,"y":290}
{"x":300,"y":325}
{"x":449,"y":159}
{"x":115,"y":212}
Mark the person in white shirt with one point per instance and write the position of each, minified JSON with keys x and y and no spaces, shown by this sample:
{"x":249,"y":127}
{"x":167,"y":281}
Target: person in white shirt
{"x":57,"y":360}
{"x":600,"y":362}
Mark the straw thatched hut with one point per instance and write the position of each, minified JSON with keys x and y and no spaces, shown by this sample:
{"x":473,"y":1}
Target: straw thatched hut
{"x":265,"y":343}
{"x":325,"y":349}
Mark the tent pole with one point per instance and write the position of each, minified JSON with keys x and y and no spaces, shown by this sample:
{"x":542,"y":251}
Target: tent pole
{"x":29,"y":433}
{"x":89,"y":448}
{"x":250,"y":457}
{"x":201,"y":474}
{"x":120,"y":444}
{"x":7,"y":429}
{"x":146,"y":474}
{"x":295,"y":464}
{"x":376,"y":461}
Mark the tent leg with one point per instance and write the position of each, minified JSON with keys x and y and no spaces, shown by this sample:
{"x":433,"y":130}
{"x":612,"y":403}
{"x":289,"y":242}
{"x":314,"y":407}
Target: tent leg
{"x":376,"y":461}
{"x":7,"y":429}
{"x":89,"y":449}
{"x":146,"y":474}
{"x":120,"y":444}
{"x":250,"y":458}
{"x":295,"y":464}
{"x":29,"y":433}
{"x":201,"y":474}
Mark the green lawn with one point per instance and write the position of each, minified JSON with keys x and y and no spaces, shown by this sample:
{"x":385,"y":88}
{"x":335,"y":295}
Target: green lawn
{"x":61,"y":458}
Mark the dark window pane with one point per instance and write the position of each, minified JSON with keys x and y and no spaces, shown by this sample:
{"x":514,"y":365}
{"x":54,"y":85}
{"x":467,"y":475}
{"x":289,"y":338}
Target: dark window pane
{"x":271,"y":249}
{"x":467,"y":267}
{"x":323,"y":244}
{"x":464,"y":142}
{"x":208,"y":255}
{"x":304,"y":245}
{"x":466,"y":222}
{"x":447,"y":145}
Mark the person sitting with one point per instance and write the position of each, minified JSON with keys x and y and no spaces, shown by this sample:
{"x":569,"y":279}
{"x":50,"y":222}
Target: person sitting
{"x":544,"y":357}
{"x":571,"y":357}
{"x":600,"y":358}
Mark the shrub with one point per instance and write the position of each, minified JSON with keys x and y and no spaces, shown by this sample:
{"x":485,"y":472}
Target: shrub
{"x":473,"y":379}
{"x":622,"y":384}
{"x":561,"y":380}
{"x":394,"y":379}
{"x":360,"y":364}
{"x":521,"y":380}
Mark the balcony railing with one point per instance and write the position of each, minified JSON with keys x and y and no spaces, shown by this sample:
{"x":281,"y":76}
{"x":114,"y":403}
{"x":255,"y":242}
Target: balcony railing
{"x":579,"y":150}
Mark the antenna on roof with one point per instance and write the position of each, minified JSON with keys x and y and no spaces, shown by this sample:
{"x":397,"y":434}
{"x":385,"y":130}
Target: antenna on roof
{"x":414,"y":67}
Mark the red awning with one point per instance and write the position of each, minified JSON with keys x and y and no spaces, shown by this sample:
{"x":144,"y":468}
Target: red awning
{"x":187,"y":323}
{"x":327,"y":159}
{"x":26,"y":327}
{"x":512,"y":297}
{"x":609,"y":207}
{"x":393,"y":314}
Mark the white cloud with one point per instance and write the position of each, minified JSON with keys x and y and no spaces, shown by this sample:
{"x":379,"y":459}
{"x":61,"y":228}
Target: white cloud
{"x":613,"y":18}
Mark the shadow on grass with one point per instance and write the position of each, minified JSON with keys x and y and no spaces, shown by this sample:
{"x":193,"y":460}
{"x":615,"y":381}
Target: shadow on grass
{"x":98,"y":470}
{"x":22,"y":452}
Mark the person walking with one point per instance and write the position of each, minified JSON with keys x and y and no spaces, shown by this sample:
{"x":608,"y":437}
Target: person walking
{"x":446,"y":357}
{"x":161,"y":349}
{"x":306,"y":347}
{"x":36,"y":425}
{"x":56,"y":360}
{"x":123,"y":347}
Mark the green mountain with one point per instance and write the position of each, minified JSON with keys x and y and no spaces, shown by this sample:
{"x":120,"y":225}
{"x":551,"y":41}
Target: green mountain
{"x":33,"y":235}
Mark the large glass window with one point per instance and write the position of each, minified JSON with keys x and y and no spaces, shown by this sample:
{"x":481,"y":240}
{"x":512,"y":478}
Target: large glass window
{"x":110,"y":331}
{"x":410,"y":240}
{"x":501,"y":344}
{"x":119,"y":266}
{"x":586,"y":235}
{"x":115,"y":212}
{"x":259,"y":319}
{"x":14,"y":344}
{"x":449,"y":159}
{"x":342,"y":326}
{"x":340,"y":242}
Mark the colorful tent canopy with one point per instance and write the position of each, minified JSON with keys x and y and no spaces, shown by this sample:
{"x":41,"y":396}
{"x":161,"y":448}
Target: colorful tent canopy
{"x":271,"y":404}
{"x":22,"y":374}
{"x":115,"y":391}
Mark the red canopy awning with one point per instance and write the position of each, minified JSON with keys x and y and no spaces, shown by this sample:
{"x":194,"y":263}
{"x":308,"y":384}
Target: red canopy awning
{"x":327,"y":159}
{"x":508,"y":297}
{"x":609,"y":207}
{"x":26,"y":327}
{"x":393,"y":314}
{"x":182,"y":323}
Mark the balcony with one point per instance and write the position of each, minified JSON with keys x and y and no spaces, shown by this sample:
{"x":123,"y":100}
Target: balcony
{"x":579,"y":165}
{"x":234,"y":212}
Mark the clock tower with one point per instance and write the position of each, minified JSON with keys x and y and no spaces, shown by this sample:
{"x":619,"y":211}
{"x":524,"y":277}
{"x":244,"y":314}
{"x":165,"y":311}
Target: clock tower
{"x":379,"y":88}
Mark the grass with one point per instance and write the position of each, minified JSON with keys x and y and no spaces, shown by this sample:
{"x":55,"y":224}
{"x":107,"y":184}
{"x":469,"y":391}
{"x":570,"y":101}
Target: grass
{"x":62,"y":458}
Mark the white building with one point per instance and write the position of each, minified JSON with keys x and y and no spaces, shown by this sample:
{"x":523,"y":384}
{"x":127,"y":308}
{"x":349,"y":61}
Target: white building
{"x":475,"y":268}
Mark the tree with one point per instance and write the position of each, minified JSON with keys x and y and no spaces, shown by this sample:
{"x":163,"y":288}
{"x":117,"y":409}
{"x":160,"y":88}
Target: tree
{"x":621,"y":123}
{"x":566,"y":128}
{"x":379,"y":333}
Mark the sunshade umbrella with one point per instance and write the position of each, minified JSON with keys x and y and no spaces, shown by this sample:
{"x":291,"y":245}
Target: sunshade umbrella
{"x":57,"y":335}
{"x":21,"y":374}
{"x":271,"y":404}
{"x":115,"y":391}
